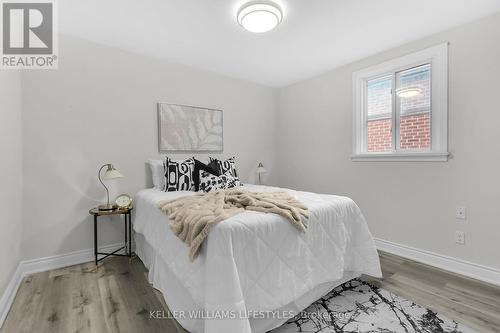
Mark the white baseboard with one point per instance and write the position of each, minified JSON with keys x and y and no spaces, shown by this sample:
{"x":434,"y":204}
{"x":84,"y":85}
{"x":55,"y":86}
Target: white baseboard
{"x":10,"y":293}
{"x":63,"y":260}
{"x":458,"y":266}
{"x":28,"y":267}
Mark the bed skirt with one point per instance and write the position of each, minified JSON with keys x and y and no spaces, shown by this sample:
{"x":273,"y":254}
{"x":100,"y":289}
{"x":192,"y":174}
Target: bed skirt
{"x":184,"y":309}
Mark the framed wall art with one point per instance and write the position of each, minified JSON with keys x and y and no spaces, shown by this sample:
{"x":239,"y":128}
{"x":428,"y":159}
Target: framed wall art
{"x":184,"y":128}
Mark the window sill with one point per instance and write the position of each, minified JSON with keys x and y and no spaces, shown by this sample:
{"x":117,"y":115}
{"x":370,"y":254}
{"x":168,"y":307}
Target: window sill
{"x":400,"y":157}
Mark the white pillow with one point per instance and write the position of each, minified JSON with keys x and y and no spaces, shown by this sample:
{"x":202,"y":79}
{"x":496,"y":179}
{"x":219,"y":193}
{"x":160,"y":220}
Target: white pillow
{"x":157,"y":173}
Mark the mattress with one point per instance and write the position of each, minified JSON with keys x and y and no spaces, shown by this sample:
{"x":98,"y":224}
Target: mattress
{"x":254,"y":265}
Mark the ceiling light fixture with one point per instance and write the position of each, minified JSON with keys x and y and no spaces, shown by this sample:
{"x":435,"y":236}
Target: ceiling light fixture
{"x":409,"y":92}
{"x":259,"y":16}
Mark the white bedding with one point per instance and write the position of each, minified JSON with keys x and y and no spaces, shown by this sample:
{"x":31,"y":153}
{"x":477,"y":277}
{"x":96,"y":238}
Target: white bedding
{"x":256,"y":262}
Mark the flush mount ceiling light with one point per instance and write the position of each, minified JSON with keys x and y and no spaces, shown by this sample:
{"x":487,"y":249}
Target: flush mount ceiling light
{"x":409,"y":92}
{"x":259,"y":16}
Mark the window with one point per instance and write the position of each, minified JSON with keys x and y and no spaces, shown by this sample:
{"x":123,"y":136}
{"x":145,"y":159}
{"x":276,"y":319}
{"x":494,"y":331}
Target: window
{"x":401,"y":108}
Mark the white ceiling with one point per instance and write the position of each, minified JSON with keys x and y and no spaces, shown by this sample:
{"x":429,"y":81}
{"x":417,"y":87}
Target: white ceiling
{"x":315,"y":35}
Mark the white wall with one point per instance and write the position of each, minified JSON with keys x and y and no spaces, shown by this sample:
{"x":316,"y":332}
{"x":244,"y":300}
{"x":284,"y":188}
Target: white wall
{"x":408,"y":203}
{"x":10,"y":175}
{"x":100,"y":106}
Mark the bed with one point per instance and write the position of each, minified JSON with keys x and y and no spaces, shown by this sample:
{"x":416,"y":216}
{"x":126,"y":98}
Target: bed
{"x":254,"y":271}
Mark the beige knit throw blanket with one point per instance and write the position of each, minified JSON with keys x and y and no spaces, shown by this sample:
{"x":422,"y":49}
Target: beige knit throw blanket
{"x":191,"y":218}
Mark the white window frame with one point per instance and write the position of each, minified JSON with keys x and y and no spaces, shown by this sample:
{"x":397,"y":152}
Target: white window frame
{"x":437,"y":56}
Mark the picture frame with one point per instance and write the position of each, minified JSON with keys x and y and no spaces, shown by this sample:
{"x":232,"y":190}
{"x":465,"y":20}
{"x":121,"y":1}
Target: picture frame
{"x":186,"y":128}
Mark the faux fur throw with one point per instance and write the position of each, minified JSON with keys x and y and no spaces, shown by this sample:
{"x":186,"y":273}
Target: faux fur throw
{"x":191,"y":218}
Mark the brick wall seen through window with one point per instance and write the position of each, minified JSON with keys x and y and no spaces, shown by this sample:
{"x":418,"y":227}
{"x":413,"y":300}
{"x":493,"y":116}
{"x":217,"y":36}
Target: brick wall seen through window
{"x":414,"y":116}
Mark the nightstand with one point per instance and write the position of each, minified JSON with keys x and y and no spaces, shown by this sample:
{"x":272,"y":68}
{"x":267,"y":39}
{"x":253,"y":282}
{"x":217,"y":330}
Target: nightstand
{"x":127,"y":214}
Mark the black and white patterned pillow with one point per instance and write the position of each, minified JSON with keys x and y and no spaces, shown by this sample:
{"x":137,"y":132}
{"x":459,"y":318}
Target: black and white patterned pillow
{"x":210,"y":182}
{"x":178,"y":175}
{"x":227,"y":166}
{"x":212,"y":168}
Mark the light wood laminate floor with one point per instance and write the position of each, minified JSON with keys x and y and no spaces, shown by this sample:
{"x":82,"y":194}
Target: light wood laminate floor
{"x":118,"y":298}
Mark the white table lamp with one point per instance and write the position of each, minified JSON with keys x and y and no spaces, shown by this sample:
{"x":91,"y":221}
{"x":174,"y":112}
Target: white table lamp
{"x":110,"y":173}
{"x":260,"y":171}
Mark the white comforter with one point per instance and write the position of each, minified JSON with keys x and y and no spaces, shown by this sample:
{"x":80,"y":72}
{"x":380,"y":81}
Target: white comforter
{"x":260,"y":262}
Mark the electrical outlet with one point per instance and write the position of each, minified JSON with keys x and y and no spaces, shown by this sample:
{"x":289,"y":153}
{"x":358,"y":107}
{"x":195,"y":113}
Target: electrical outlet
{"x":460,"y":237}
{"x":461,"y":212}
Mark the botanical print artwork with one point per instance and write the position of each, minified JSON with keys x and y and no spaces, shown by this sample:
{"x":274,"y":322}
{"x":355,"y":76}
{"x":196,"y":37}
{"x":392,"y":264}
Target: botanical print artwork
{"x":359,"y":307}
{"x":189,"y":129}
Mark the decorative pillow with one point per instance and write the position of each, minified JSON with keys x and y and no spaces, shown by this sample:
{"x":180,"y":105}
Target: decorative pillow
{"x":227,"y":166}
{"x":200,"y":166}
{"x":210,"y":182}
{"x":157,"y":173}
{"x":178,"y":175}
{"x":214,"y":164}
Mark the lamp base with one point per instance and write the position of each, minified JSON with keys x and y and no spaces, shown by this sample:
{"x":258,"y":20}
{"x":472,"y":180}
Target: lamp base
{"x":107,"y":207}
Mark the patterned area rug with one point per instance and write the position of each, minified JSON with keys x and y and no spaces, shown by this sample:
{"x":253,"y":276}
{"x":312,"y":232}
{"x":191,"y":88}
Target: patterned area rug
{"x":359,"y":307}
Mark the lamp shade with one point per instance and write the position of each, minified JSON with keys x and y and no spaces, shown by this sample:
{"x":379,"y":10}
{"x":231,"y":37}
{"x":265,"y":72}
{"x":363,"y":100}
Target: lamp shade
{"x":261,"y":169}
{"x":112,"y":173}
